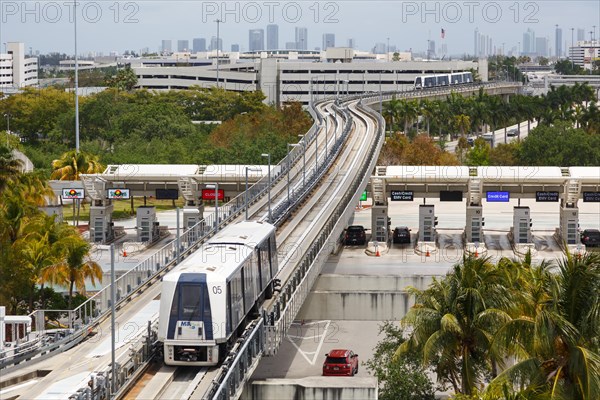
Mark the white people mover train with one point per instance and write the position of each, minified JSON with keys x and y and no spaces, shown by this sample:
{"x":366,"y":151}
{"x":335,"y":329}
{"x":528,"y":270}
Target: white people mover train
{"x":207,"y":299}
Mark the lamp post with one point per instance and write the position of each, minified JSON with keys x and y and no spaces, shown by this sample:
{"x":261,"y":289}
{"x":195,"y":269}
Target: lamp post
{"x":303,"y":160}
{"x":218,"y":21}
{"x":113,"y":369}
{"x":76,"y":79}
{"x":268,"y":155}
{"x":216,"y":185}
{"x":326,"y":115}
{"x":246,"y":192}
{"x":289,"y":166}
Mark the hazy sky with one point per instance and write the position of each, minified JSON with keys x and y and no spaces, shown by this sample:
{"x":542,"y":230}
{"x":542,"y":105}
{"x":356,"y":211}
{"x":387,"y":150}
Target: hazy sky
{"x":108,"y":25}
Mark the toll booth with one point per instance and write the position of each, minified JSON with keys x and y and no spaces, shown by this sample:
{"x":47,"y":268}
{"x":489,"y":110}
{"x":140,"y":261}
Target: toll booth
{"x":101,"y":224}
{"x":427,"y":223}
{"x":191,"y":217}
{"x":380,"y":224}
{"x":522,"y":225}
{"x":147,"y":225}
{"x":474,"y":226}
{"x":569,"y":225}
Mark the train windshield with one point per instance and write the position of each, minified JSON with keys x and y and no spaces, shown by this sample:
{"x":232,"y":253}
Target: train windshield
{"x":191,"y":303}
{"x":190,"y":297}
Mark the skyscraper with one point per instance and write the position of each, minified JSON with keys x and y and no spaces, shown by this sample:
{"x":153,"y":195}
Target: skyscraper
{"x":476,"y":42}
{"x":541,"y":47}
{"x":328,"y":40}
{"x":199,"y":44}
{"x":256,"y":39}
{"x":301,"y":38}
{"x":529,"y":43}
{"x":580,"y":34}
{"x":272,"y":37}
{"x":558,"y":44}
{"x":166,"y":46}
{"x":235,"y":47}
{"x":183,"y":45}
{"x":214,"y":44}
{"x":351,"y":43}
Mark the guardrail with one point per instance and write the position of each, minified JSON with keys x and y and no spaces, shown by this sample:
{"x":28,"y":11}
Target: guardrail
{"x":128,"y":368}
{"x":97,"y":308}
{"x":237,"y":368}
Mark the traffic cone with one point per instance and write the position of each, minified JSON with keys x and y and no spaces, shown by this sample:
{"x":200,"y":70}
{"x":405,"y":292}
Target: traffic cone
{"x":377,"y":252}
{"x":427,"y":254}
{"x":124,"y":253}
{"x":476,"y":253}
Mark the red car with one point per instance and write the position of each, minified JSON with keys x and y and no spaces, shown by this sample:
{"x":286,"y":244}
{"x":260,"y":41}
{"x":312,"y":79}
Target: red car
{"x":340,"y":362}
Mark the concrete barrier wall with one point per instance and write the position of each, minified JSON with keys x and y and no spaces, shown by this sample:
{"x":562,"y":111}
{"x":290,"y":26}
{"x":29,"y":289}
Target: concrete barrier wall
{"x":351,"y":283}
{"x":361,"y":297}
{"x":357,"y":306}
{"x":315,"y":388}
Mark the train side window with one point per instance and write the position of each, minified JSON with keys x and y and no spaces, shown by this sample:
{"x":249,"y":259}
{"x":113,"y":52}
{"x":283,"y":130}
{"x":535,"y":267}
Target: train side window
{"x":228,"y":311}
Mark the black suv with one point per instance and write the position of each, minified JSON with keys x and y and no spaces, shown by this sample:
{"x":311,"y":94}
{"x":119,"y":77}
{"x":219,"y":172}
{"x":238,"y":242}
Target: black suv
{"x":355,"y":234}
{"x":590,"y":237}
{"x":401,"y":235}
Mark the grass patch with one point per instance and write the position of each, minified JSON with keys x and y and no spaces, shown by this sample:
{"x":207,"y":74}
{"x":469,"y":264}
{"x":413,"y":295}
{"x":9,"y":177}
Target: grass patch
{"x":122,"y":208}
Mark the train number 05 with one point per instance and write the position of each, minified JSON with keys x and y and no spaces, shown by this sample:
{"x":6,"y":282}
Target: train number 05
{"x":217,"y":290}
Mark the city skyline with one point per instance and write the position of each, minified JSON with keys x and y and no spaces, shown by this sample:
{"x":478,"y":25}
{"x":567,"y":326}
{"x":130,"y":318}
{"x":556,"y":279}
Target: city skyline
{"x":108,"y":31}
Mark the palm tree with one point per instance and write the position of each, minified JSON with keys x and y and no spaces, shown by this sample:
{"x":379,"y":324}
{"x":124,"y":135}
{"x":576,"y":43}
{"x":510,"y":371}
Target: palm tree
{"x":408,"y":112}
{"x":10,"y":167}
{"x":429,"y":109}
{"x":555,"y":334}
{"x":75,"y":268}
{"x":462,"y":122}
{"x":454,"y":321}
{"x":591,"y":118}
{"x":72,"y":164}
{"x":390,"y":111}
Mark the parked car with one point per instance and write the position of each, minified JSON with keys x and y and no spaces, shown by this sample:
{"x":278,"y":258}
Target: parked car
{"x":355,"y":235}
{"x":401,"y":235}
{"x":470,"y":140}
{"x":512,"y":133}
{"x":340,"y":362}
{"x":487,"y":136}
{"x":590,"y":237}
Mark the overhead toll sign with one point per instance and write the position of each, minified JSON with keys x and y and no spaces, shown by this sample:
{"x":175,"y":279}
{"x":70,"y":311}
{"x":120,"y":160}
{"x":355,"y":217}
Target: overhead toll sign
{"x":117,"y":194}
{"x":167,"y":194}
{"x":548,"y":197}
{"x":498,"y":197}
{"x":73,"y":194}
{"x":451,"y":195}
{"x":209,"y":194}
{"x":402,"y":195}
{"x":591,"y":197}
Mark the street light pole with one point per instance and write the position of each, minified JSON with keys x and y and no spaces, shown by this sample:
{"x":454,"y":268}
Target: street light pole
{"x":218,"y":21}
{"x":268,"y":155}
{"x":326,"y":115}
{"x":76,"y":79}
{"x":571,"y":52}
{"x":113,"y":383}
{"x":246,"y":192}
{"x":303,"y":160}
{"x":289,"y":165}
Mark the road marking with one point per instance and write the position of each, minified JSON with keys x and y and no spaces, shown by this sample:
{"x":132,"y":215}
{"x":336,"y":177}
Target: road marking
{"x":321,"y":337}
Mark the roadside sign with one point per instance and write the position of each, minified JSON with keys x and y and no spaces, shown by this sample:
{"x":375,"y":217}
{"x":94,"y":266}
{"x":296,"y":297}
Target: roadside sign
{"x":363,"y":197}
{"x":117,"y":194}
{"x":73,"y":194}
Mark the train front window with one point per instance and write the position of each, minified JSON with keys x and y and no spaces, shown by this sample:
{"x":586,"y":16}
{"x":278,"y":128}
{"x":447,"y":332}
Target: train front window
{"x":189,"y":300}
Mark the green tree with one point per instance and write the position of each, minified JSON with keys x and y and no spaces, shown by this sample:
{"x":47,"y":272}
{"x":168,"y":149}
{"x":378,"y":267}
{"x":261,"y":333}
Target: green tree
{"x":402,"y":378}
{"x":125,"y":79}
{"x":453,"y":323}
{"x":75,"y":269}
{"x":560,"y":145}
{"x":10,"y":167}
{"x":554,"y":335}
{"x":479,"y":154}
{"x":391,"y":110}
